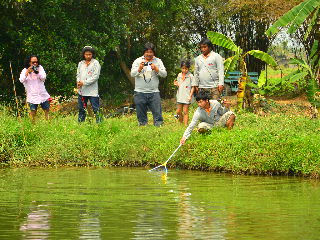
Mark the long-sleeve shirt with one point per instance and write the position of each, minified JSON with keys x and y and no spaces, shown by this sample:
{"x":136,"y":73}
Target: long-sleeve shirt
{"x":147,"y":82}
{"x":89,"y":75}
{"x":217,"y":110}
{"x":185,"y":87}
{"x":34,"y":85}
{"x":209,"y":71}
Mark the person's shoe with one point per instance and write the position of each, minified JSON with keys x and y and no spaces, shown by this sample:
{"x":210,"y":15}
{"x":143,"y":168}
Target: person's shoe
{"x":202,"y":130}
{"x":176,"y":116}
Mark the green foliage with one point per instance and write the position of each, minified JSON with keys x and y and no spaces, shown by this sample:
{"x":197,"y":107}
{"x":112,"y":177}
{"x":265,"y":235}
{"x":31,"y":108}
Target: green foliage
{"x":295,"y":17}
{"x":277,"y":144}
{"x":265,"y":57}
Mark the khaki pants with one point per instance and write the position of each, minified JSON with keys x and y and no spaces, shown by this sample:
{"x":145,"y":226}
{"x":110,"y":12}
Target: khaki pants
{"x":221,"y":123}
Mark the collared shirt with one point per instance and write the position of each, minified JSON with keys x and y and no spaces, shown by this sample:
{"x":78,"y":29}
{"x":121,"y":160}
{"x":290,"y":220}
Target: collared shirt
{"x":184,"y":87}
{"x":209,"y":70}
{"x":34,"y":86}
{"x":147,"y":81}
{"x":217,"y":110}
{"x":89,"y":75}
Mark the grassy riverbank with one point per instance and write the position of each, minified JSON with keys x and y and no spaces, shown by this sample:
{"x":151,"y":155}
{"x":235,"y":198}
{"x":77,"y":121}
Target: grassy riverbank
{"x":274,"y":144}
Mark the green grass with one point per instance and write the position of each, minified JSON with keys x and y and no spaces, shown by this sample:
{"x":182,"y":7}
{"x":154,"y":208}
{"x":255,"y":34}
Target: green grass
{"x":277,"y":144}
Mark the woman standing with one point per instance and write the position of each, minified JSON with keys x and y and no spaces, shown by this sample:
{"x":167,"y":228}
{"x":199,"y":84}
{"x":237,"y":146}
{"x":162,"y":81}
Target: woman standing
{"x":33,"y":77}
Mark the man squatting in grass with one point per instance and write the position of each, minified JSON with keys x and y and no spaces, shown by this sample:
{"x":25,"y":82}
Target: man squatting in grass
{"x":209,"y":70}
{"x":211,"y":114}
{"x":146,"y":70}
{"x":185,"y":83}
{"x":33,"y":77}
{"x":88,"y":73}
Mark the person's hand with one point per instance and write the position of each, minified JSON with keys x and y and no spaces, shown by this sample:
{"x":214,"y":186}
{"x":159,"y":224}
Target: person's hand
{"x":141,"y":66}
{"x":29,"y":70}
{"x":220,"y":88}
{"x":189,"y":98}
{"x":176,"y":83}
{"x":183,"y":140}
{"x":226,"y":103}
{"x":154,"y":67}
{"x":79,"y":84}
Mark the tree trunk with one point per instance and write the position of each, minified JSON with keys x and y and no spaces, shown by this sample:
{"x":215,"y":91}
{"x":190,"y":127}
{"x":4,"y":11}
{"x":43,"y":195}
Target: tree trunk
{"x":124,"y":66}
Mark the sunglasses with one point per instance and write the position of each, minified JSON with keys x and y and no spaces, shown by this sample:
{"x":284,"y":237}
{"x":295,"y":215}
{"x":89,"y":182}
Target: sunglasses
{"x":34,"y":62}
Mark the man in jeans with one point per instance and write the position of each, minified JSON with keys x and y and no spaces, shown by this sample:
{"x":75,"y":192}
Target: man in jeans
{"x":87,"y":82}
{"x":146,"y":70}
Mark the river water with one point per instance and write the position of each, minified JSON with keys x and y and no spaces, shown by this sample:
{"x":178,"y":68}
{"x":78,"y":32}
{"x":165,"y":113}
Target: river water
{"x":132,"y":203}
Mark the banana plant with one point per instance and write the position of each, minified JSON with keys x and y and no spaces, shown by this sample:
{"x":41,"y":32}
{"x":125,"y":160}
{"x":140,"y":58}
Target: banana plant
{"x":237,"y":62}
{"x":309,"y":71}
{"x":307,"y":11}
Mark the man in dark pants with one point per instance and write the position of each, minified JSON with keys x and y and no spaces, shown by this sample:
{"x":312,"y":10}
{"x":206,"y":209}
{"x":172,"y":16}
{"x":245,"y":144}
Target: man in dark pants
{"x":146,"y":70}
{"x":87,"y":82}
{"x":209,"y":70}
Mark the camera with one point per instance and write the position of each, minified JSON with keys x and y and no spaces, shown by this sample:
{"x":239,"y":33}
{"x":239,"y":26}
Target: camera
{"x":35,"y":69}
{"x":147,"y":63}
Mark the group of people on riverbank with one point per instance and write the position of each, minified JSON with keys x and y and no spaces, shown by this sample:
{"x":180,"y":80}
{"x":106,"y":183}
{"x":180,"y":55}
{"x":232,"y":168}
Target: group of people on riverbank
{"x":207,"y":83}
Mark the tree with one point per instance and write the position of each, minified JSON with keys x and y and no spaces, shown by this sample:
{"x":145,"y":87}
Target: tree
{"x":306,"y":13}
{"x":238,"y":61}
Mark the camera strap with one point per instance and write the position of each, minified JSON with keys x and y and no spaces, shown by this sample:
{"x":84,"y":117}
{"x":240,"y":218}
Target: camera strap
{"x":144,"y":77}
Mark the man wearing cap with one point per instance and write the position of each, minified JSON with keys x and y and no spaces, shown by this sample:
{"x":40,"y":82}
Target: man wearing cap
{"x":87,"y":83}
{"x":146,"y":70}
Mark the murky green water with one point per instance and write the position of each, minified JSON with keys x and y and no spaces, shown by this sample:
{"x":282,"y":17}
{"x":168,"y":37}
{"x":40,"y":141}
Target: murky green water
{"x":136,"y":204}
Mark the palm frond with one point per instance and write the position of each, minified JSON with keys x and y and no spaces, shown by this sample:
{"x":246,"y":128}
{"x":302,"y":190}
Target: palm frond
{"x":263,"y":56}
{"x":223,"y":41}
{"x":295,"y":17}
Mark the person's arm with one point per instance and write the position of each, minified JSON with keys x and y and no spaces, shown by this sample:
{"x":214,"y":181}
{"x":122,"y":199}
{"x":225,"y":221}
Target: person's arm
{"x":191,"y":126}
{"x":191,"y":94}
{"x":176,"y":82}
{"x":23,"y":75}
{"x":223,"y":108}
{"x":136,"y":67}
{"x":193,"y":86}
{"x":196,"y":74}
{"x":162,"y":72}
{"x":95,"y":74}
{"x":78,"y":72}
{"x":220,"y":67}
{"x":42,"y":74}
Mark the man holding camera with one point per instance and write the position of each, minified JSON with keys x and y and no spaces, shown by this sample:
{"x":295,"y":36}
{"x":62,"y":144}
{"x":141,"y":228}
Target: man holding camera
{"x":146,"y":70}
{"x":33,"y":77}
{"x":88,"y":73}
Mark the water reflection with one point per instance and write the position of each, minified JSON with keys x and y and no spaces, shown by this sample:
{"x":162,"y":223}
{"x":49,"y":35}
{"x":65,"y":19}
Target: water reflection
{"x":36,"y":224}
{"x":89,"y":226}
{"x":133,"y":204}
{"x":196,"y":222}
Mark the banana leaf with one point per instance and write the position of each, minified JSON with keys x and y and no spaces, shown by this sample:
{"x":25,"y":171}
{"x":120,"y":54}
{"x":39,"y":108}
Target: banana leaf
{"x":231,"y":63}
{"x":295,"y":17}
{"x":263,"y":56}
{"x":223,"y":41}
{"x":296,"y":76}
{"x":312,"y":23}
{"x":314,"y":55}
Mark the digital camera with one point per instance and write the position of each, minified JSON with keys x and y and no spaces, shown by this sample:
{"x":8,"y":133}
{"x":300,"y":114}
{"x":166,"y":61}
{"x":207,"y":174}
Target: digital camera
{"x":35,"y":69}
{"x":147,"y":63}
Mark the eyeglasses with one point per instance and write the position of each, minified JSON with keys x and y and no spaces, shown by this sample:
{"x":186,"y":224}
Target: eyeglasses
{"x":34,"y":62}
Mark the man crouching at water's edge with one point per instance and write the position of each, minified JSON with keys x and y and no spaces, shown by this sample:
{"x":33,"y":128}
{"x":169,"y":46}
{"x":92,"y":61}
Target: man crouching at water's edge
{"x":211,"y":114}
